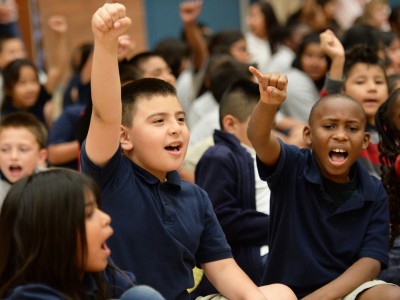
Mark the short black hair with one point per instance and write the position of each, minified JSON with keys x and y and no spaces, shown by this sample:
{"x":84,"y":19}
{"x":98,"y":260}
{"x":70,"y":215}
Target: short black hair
{"x":362,"y":54}
{"x":29,"y":122}
{"x":239,"y":100}
{"x":334,"y":97}
{"x":142,"y":88}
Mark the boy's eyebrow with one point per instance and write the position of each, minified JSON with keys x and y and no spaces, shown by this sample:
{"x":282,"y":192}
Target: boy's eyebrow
{"x":355,"y":120}
{"x":180,"y":112}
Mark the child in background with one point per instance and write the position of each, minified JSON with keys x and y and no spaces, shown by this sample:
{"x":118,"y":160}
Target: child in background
{"x":53,"y":238}
{"x":227,"y":172}
{"x":360,"y":74}
{"x":388,"y":126}
{"x":152,"y":65}
{"x":391,"y":42}
{"x":329,"y":218}
{"x":22,"y":148}
{"x":11,"y":47}
{"x":306,"y":79}
{"x":22,"y":88}
{"x":163,"y":226}
{"x":260,"y":38}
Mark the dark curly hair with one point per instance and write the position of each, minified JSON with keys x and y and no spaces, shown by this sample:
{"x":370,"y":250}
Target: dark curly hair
{"x":389,"y":147}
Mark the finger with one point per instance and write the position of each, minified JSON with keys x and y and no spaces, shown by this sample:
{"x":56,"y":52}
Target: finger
{"x":256,"y":73}
{"x":103,"y":20}
{"x":273,"y":79}
{"x":282,"y":82}
{"x":123,"y":23}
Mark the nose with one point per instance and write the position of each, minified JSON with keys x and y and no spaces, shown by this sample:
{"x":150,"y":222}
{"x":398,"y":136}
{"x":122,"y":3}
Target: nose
{"x":341,"y":135}
{"x":371,"y":85}
{"x":14,"y":154}
{"x":175,"y":128}
{"x":106,"y":219}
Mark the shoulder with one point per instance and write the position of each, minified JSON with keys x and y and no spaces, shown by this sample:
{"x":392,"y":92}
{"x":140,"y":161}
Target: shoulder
{"x":33,"y":292}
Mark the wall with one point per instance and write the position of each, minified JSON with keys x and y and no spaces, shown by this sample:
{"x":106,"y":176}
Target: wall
{"x":79,"y":13}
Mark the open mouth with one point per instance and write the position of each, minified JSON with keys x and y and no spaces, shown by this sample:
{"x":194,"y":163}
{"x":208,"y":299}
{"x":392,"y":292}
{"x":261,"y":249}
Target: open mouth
{"x":105,"y":248}
{"x":338,"y":155}
{"x":15,"y":169}
{"x":174,"y":147}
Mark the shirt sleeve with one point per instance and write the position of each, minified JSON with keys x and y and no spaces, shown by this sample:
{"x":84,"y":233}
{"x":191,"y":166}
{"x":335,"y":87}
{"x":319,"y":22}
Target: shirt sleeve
{"x":34,"y":292}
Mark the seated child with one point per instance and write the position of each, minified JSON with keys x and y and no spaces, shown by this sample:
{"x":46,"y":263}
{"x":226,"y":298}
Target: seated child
{"x":23,"y":90}
{"x":163,"y":226}
{"x":360,"y":74}
{"x":388,"y":126}
{"x":22,"y":148}
{"x":228,"y":173}
{"x":329,"y":218}
{"x":53,"y":238}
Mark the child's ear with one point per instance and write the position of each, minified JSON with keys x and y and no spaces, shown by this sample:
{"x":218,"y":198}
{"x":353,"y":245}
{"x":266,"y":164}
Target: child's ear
{"x":307,"y":136}
{"x":229,"y":124}
{"x":125,"y":140}
{"x":367,"y":136}
{"x":42,"y":162}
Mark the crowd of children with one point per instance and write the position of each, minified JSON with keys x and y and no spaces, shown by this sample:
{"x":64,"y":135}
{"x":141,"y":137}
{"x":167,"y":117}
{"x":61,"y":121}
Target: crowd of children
{"x":234,"y":165}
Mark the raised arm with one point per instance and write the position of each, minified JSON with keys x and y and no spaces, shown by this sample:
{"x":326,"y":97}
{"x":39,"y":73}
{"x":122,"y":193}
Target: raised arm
{"x":333,"y":48}
{"x":272,"y":93}
{"x":59,"y":62}
{"x":108,"y":23}
{"x":189,"y":12}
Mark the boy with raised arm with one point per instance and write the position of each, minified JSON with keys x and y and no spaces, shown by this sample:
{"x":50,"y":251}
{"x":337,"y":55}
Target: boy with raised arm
{"x":329,"y":217}
{"x":163,"y":226}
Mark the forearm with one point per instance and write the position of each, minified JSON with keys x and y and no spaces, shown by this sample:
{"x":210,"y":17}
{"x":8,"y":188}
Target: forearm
{"x":363,"y":270}
{"x":197,"y":44}
{"x":231,"y":281}
{"x":336,"y":69}
{"x":260,"y":132}
{"x":58,"y":62}
{"x":105,"y":83}
{"x":63,"y":153}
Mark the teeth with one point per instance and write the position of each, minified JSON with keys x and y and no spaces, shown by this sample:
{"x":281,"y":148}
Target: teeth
{"x":339,"y":150}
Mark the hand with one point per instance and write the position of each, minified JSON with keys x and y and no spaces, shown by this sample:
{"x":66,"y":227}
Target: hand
{"x":110,"y":22}
{"x":331,"y":45}
{"x":58,"y":24}
{"x":126,"y":47}
{"x":8,"y":12}
{"x":272,"y":86}
{"x":190,"y":10}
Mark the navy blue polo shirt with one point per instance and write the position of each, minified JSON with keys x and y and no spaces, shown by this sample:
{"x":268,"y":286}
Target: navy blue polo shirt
{"x":161,"y":229}
{"x":311,"y":241}
{"x":116,"y":281}
{"x":64,"y":128}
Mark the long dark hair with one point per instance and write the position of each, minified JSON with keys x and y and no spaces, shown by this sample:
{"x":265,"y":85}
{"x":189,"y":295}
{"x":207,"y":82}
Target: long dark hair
{"x":272,"y":26}
{"x":11,"y":75}
{"x":312,"y":38}
{"x":389,"y":147}
{"x":42,"y":226}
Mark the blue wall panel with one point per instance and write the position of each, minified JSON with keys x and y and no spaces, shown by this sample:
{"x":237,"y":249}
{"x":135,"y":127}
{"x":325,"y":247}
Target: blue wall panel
{"x":163,"y":17}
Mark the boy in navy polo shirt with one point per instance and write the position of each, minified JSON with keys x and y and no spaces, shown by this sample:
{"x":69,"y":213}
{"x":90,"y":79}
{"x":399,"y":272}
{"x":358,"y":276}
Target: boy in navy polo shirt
{"x":329,"y":218}
{"x":163,"y":226}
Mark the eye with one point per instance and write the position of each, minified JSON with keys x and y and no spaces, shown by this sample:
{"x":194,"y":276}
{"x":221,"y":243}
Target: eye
{"x":24,"y":149}
{"x":89,"y":212}
{"x":90,"y":209}
{"x":4,"y":150}
{"x":181,"y":119}
{"x":353,"y":129}
{"x":158,"y":121}
{"x":328,"y":126}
